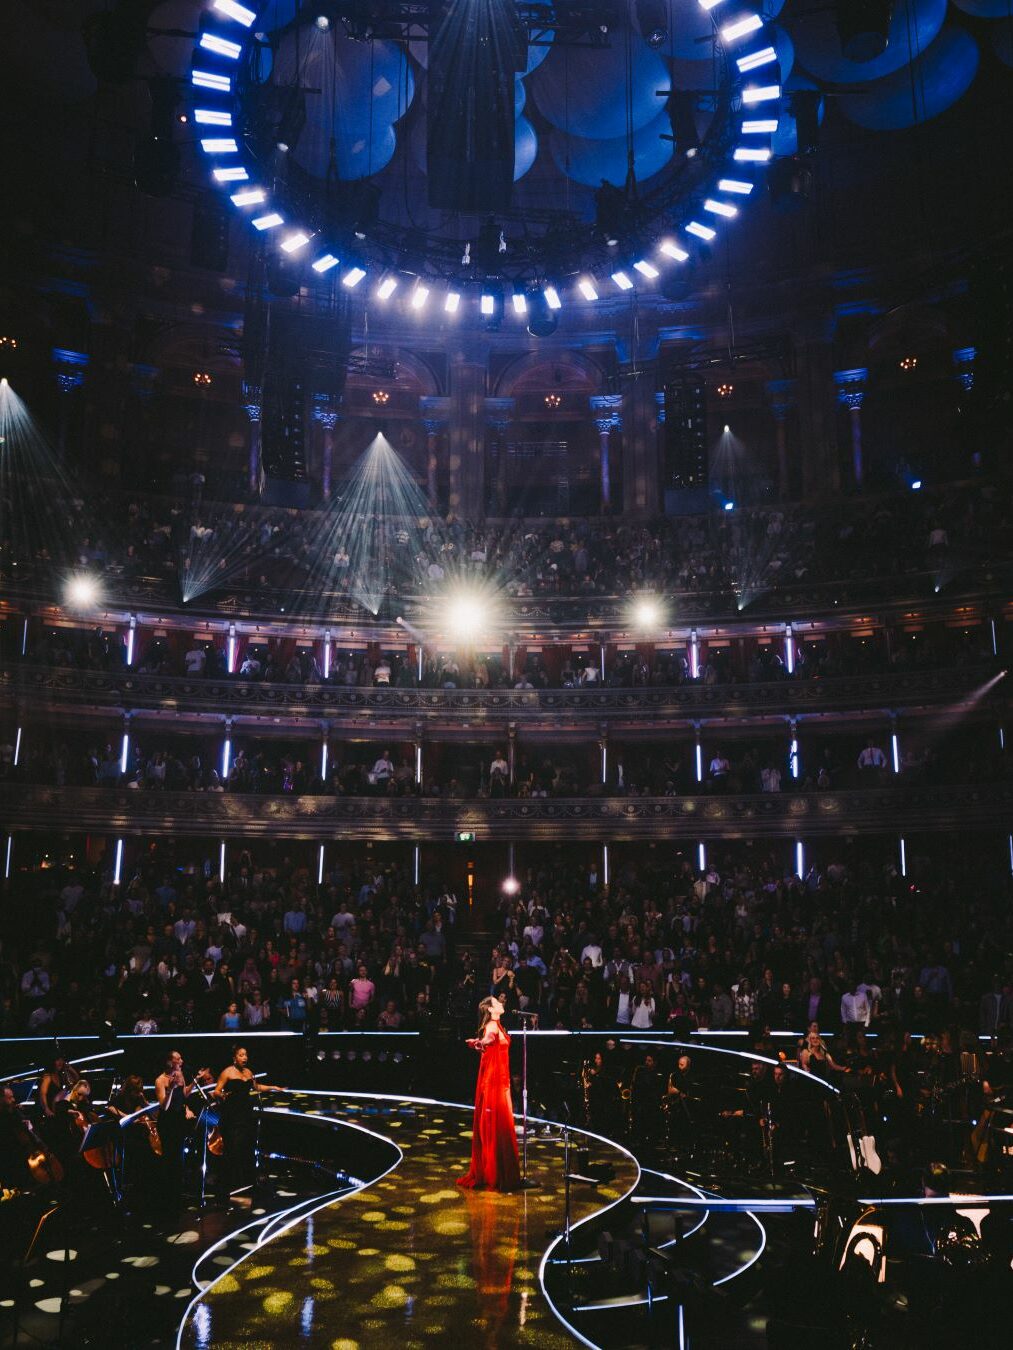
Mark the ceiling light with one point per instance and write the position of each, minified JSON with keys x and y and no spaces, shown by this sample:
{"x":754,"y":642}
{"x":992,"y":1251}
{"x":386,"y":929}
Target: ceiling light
{"x":747,"y":154}
{"x":234,"y":175}
{"x":353,"y":276}
{"x":325,"y":263}
{"x":268,"y":222}
{"x":519,"y":302}
{"x":295,"y":241}
{"x":733,"y":31}
{"x":672,"y":250}
{"x":487,"y":304}
{"x":720,"y":208}
{"x":552,"y":297}
{"x":759,"y":126}
{"x":219,"y":145}
{"x":386,"y":288}
{"x":587,"y":289}
{"x":761,"y":93}
{"x":212,"y":117}
{"x":734,"y":185}
{"x":211,"y":42}
{"x":755,"y":60}
{"x":207,"y":79}
{"x":323,"y":22}
{"x":233,"y":11}
{"x":701,"y":231}
{"x":645,"y":268}
{"x":249,"y":197}
{"x":419,"y":296}
{"x":622,"y":281}
{"x":452,"y":302}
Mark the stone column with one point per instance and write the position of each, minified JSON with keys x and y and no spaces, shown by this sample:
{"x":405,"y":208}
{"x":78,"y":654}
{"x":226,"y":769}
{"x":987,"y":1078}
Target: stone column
{"x":435,"y":414}
{"x":781,"y":397}
{"x":851,"y":393}
{"x":326,"y":415}
{"x":467,"y":439}
{"x":498,"y":415}
{"x":511,"y":750}
{"x":821,"y":472}
{"x":607,"y":411}
{"x":251,"y":393}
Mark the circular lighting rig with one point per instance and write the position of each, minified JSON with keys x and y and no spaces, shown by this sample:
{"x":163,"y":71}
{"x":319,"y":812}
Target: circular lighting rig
{"x":664,"y":224}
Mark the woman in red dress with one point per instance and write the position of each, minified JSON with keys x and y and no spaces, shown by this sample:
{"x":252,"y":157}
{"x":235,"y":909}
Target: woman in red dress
{"x":494,"y":1161}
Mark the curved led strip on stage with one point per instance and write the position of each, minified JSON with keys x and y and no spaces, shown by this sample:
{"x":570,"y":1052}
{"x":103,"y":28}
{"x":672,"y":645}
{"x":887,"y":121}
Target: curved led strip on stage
{"x":275,"y":1226}
{"x":226,"y":37}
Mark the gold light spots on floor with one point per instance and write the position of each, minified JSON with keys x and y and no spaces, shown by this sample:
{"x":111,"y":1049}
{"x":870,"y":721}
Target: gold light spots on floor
{"x":448,"y":1280}
{"x":276,"y":1302}
{"x":344,"y":1343}
{"x":399,"y":1263}
{"x":402,"y":1209}
{"x":228,"y":1284}
{"x":256,"y":1272}
{"x":450,"y":1227}
{"x":341,"y":1244}
{"x":373,"y":1216}
{"x":390,"y":1296}
{"x":318,"y":1282}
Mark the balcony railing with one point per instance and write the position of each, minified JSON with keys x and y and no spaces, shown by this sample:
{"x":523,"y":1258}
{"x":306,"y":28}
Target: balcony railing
{"x":892,"y":810}
{"x":43,"y":685}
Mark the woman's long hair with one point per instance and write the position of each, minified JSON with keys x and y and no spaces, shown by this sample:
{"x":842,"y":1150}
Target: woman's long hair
{"x":484,"y":1014}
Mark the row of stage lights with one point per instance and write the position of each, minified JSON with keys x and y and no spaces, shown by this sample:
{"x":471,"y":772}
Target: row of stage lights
{"x":210,"y":76}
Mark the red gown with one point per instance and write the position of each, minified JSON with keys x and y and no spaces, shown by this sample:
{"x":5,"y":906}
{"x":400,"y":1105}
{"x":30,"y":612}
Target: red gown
{"x":494,"y":1160}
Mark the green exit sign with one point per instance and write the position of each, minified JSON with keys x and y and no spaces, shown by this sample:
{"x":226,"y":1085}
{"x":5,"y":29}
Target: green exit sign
{"x":465,"y":836}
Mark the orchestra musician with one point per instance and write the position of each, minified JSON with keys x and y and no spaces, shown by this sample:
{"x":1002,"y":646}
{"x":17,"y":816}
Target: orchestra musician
{"x":57,"y":1080}
{"x":682,"y":1093}
{"x":174,"y":1115}
{"x":237,"y":1090}
{"x":141,"y":1145}
{"x":645,"y":1102}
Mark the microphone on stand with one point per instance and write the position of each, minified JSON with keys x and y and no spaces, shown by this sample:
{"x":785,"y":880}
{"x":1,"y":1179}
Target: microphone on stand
{"x":519,"y":1013}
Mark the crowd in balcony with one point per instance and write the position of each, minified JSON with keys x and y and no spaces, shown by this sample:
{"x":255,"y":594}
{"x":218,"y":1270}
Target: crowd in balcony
{"x":938,"y":754}
{"x":274,"y":556}
{"x":744,"y":943}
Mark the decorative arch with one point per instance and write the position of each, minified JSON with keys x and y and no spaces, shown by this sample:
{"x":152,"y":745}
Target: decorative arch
{"x":414,"y":373}
{"x":569,"y":371}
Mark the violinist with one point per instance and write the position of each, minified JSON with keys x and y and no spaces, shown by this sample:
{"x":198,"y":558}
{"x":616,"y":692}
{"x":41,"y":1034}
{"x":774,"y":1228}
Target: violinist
{"x":174,"y":1115}
{"x":141,"y":1145}
{"x":59,"y":1077}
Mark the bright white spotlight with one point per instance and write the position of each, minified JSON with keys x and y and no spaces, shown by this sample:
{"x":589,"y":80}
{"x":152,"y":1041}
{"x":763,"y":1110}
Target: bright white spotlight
{"x":82,"y":591}
{"x":219,"y":145}
{"x":735,"y":185}
{"x":511,"y":886}
{"x":466,"y":615}
{"x":645,"y":268}
{"x":587,"y":289}
{"x":622,"y":281}
{"x":746,"y":154}
{"x":452,"y":302}
{"x":325,"y":263}
{"x":717,"y":208}
{"x":233,"y":11}
{"x":323,"y":22}
{"x":647,"y":612}
{"x":741,"y":28}
{"x":419,"y":296}
{"x":211,"y":42}
{"x":249,"y":197}
{"x":672,"y":250}
{"x":759,"y":126}
{"x":519,"y":302}
{"x":294,"y":242}
{"x":487,"y":304}
{"x":916,"y":484}
{"x":701,"y":231}
{"x":763,"y":93}
{"x":212,"y":117}
{"x":552,"y":297}
{"x":237,"y":174}
{"x":386,"y":288}
{"x":352,"y":277}
{"x":729,"y":506}
{"x":268,"y":222}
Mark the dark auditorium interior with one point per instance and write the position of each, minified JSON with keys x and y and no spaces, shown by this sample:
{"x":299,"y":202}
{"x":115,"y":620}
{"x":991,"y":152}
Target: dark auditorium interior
{"x":506,"y":544}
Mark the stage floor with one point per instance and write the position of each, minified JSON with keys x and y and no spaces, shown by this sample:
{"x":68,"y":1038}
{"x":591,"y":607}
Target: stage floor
{"x":410,"y":1259}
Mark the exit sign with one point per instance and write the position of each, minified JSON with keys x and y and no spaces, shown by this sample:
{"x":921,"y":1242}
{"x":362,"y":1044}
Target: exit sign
{"x":465,"y":836}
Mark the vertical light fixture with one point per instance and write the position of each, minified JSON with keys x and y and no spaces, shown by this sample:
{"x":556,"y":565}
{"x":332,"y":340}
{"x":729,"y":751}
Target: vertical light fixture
{"x":131,"y":635}
{"x":416,"y":864}
{"x":789,"y":649}
{"x":124,"y":752}
{"x":8,"y":857}
{"x":226,"y":758}
{"x":118,"y":864}
{"x":701,"y":857}
{"x":327,"y":655}
{"x":418,"y":761}
{"x":699,"y":757}
{"x":320,"y":866}
{"x":799,"y":859}
{"x":221,"y":862}
{"x":694,"y":654}
{"x":605,"y":864}
{"x":903,"y":857}
{"x":24,"y":636}
{"x":793,"y":757}
{"x":323,"y":760}
{"x":230,"y":658}
{"x":17,"y":747}
{"x":895,"y":751}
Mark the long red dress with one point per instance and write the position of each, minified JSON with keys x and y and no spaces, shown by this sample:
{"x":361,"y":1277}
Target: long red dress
{"x":494,"y":1160}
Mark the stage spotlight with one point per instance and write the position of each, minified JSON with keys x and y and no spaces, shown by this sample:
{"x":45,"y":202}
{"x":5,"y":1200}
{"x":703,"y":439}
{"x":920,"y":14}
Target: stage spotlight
{"x":519,"y":303}
{"x":552,"y":297}
{"x":511,"y":886}
{"x":622,"y":281}
{"x":729,"y":506}
{"x":352,"y":277}
{"x":419,"y":296}
{"x":452,"y":302}
{"x":466,"y":615}
{"x":542,"y":322}
{"x":916,"y":484}
{"x":323,"y":22}
{"x":652,"y":20}
{"x":645,"y":268}
{"x":386,"y":288}
{"x":672,"y":250}
{"x":491,"y":306}
{"x":586,"y":288}
{"x":647,"y":612}
{"x":82,"y":591}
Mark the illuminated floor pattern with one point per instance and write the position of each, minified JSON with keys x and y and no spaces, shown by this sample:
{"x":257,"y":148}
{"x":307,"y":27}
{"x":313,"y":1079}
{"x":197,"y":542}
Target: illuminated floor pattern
{"x":411,"y":1260}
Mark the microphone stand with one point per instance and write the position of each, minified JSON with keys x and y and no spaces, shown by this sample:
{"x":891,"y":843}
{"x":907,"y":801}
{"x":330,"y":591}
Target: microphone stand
{"x":204,"y":1142}
{"x":527,"y":1017}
